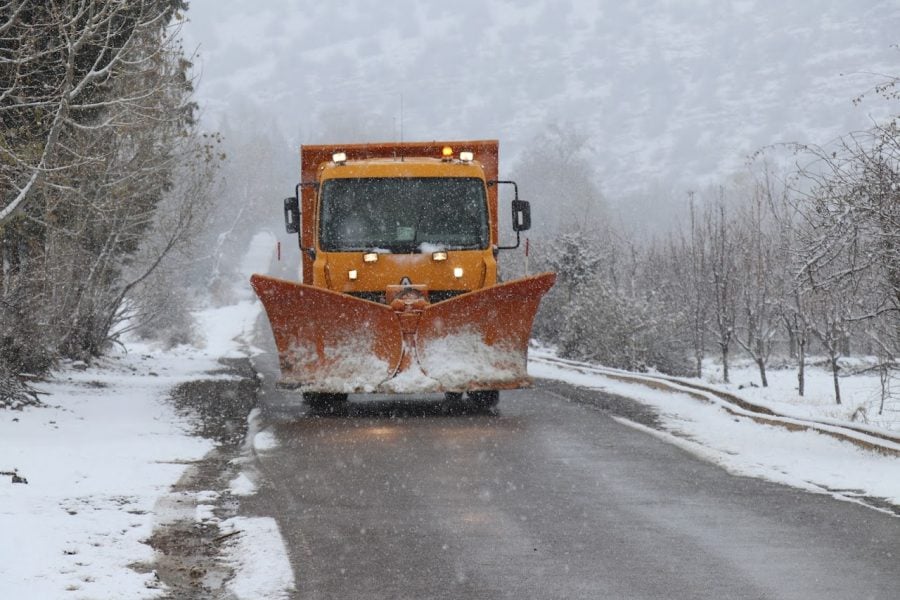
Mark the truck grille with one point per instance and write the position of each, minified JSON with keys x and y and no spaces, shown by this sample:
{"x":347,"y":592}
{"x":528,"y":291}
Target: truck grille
{"x":434,"y":296}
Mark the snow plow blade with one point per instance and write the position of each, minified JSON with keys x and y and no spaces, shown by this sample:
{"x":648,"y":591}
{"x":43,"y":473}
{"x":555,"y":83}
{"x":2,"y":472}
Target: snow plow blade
{"x":336,"y":343}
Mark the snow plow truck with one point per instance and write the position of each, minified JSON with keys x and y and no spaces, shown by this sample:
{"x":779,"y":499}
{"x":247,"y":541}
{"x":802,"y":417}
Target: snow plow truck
{"x":399,"y":290}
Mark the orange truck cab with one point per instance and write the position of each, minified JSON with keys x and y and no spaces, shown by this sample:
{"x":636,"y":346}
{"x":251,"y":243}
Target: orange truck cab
{"x":399,"y":289}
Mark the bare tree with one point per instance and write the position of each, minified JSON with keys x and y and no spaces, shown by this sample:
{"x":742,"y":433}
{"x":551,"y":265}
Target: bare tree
{"x":852,"y":236}
{"x":675,"y":276}
{"x":259,"y":169}
{"x":152,"y":294}
{"x":722,"y":278}
{"x":792,"y":291}
{"x":697,"y":291}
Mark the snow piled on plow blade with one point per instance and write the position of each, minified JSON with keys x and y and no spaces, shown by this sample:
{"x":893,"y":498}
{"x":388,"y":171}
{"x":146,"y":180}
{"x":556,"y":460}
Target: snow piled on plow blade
{"x":464,"y":361}
{"x":347,"y":368}
{"x":332,"y":342}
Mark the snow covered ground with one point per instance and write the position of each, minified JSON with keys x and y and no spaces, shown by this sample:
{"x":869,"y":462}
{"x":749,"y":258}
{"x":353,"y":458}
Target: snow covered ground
{"x":99,"y":455}
{"x":860,"y":393}
{"x":96,"y":459}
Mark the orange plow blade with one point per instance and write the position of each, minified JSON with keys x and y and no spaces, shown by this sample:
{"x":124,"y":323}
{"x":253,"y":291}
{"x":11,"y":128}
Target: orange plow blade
{"x":328,"y":341}
{"x":332,"y":342}
{"x":480,"y":340}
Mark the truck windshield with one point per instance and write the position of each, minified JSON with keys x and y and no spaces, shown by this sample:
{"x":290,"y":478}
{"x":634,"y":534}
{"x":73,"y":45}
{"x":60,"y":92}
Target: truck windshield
{"x":406,"y":215}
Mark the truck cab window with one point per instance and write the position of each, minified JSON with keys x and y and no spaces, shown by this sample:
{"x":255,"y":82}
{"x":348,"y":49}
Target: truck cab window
{"x":401,"y":214}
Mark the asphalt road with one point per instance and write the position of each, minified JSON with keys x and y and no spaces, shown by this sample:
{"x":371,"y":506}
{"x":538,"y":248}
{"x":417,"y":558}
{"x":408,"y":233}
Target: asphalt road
{"x":547,"y":497}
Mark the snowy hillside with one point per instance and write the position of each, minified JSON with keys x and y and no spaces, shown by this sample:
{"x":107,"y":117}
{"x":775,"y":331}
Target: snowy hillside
{"x":670,"y":91}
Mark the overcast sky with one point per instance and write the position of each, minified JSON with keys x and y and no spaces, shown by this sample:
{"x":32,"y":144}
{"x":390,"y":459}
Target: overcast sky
{"x":670,"y":92}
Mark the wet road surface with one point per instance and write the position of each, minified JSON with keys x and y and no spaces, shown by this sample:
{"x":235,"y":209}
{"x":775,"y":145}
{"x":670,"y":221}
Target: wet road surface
{"x":546,"y":497}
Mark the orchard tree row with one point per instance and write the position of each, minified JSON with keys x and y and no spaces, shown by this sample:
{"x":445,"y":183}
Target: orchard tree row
{"x":779,"y":265}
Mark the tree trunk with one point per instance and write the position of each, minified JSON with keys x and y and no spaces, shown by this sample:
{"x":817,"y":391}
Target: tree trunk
{"x":725,"y":363}
{"x":762,"y":372}
{"x":761,"y":360}
{"x":834,"y":374}
{"x":801,"y":366}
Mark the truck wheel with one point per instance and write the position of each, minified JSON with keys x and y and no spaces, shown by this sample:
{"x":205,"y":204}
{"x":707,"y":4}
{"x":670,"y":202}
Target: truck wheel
{"x":484,"y":399}
{"x":321,"y":402}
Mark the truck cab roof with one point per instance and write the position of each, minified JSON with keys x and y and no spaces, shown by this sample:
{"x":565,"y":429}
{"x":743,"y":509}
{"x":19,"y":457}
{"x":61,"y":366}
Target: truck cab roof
{"x":401,"y":167}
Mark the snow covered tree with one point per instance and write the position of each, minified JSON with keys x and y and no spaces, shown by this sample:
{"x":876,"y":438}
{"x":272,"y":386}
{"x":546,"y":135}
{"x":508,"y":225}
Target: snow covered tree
{"x":576,"y":259}
{"x":759,"y":268}
{"x":612,"y":304}
{"x":791,"y":291}
{"x":723,"y":278}
{"x":852,"y":239}
{"x":685,"y":258}
{"x":95,"y":102}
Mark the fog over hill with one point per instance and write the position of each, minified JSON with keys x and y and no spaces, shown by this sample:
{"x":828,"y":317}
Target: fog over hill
{"x":673,"y":94}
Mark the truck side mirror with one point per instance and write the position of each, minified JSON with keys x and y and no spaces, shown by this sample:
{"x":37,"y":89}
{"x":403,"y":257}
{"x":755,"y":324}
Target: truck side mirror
{"x":292,"y":215}
{"x":521,"y":215}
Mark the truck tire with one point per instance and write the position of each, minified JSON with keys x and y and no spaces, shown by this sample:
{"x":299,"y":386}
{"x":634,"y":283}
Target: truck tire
{"x":484,"y":399}
{"x":322,"y":402}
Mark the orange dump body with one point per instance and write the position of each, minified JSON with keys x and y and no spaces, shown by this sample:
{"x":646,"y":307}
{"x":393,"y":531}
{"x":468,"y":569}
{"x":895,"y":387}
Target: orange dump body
{"x":417,"y":318}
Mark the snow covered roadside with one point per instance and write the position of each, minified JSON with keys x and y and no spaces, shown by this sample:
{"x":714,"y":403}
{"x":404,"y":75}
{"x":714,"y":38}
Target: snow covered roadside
{"x":803,"y":459}
{"x":860,"y":394}
{"x":96,"y":459}
{"x":259,"y":557}
{"x":99,"y":455}
{"x":257,"y":551}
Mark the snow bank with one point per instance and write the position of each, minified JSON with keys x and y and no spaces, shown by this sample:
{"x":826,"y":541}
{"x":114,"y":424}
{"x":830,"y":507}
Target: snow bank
{"x":259,"y":556}
{"x":95,"y":464}
{"x":860,"y":394}
{"x":264,"y":441}
{"x":96,"y":460}
{"x":242,"y":486}
{"x":260,"y":253}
